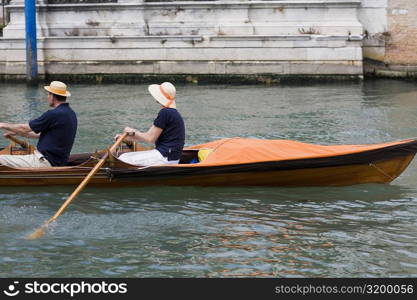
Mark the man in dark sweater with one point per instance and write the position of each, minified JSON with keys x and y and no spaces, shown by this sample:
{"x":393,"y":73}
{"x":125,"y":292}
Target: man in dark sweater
{"x":167,"y":131}
{"x":55,"y":129}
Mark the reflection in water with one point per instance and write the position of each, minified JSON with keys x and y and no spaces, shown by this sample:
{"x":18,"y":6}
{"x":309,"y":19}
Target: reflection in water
{"x":358,"y":231}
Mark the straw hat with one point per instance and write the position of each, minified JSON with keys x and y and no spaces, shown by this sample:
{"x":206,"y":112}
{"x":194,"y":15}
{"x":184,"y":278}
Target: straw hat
{"x":58,"y":88}
{"x":164,"y":93}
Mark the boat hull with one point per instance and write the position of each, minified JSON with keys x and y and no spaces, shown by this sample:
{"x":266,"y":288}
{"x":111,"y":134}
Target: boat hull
{"x":383,"y":171}
{"x":380,"y":163}
{"x":379,"y":172}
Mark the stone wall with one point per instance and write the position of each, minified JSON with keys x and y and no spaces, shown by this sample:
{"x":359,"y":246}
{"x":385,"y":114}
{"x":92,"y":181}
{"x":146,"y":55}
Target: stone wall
{"x":279,"y":38}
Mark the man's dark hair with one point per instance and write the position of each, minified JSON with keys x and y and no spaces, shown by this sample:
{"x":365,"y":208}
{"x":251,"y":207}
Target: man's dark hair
{"x":60,"y":98}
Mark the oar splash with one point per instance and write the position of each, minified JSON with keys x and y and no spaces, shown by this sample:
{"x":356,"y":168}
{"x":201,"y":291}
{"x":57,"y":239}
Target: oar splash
{"x":39,"y":232}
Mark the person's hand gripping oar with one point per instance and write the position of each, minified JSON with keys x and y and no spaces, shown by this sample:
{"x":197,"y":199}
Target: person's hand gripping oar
{"x":41,"y":230}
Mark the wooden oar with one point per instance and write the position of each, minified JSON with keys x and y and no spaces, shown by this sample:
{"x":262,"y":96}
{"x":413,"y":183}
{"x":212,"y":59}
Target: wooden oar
{"x":41,"y":230}
{"x":14,"y":139}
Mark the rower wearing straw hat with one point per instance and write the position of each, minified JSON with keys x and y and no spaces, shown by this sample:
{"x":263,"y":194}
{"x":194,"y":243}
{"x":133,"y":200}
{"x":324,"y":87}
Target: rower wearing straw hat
{"x":55,"y":129}
{"x":167,"y":131}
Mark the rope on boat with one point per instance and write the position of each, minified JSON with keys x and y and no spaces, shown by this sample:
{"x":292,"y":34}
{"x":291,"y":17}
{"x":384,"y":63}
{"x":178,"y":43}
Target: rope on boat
{"x":381,"y":171}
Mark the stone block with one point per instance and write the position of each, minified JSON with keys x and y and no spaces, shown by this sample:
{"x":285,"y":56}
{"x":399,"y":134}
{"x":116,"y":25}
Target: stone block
{"x":249,"y":67}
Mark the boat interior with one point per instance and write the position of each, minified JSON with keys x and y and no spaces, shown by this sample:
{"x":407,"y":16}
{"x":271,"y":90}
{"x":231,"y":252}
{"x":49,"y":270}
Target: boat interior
{"x":188,"y":156}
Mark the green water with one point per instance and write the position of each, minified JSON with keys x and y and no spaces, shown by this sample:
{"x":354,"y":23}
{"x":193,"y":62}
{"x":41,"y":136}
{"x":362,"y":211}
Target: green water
{"x":356,"y":231}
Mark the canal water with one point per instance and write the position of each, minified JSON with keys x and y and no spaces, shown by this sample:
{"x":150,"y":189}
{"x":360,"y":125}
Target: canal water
{"x":355,"y":231}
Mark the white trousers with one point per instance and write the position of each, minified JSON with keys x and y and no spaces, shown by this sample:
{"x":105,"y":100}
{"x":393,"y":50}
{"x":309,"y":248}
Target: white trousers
{"x":35,"y":160}
{"x":146,"y":158}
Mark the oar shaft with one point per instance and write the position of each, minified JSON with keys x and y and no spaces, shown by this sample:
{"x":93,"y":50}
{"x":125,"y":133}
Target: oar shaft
{"x":24,"y":144}
{"x":41,"y":230}
{"x":79,"y":188}
{"x":87,"y":179}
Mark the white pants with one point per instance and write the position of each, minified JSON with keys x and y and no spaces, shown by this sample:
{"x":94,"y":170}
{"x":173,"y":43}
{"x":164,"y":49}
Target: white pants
{"x":146,"y":158}
{"x":35,"y":160}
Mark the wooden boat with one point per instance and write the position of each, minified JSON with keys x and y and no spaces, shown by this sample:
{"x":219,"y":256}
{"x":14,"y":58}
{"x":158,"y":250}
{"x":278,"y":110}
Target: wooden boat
{"x":233,"y":162}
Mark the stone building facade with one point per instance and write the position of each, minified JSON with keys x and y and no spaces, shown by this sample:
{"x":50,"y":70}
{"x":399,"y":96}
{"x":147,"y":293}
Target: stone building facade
{"x":262,"y":39}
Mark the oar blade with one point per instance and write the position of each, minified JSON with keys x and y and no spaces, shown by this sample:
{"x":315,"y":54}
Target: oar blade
{"x":38,"y":233}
